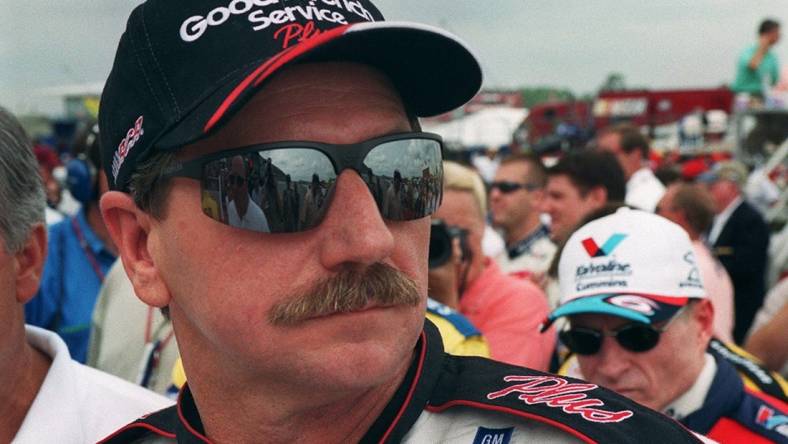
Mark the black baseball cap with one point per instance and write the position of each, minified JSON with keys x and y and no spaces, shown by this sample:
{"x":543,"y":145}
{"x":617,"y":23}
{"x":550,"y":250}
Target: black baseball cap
{"x":183,"y":68}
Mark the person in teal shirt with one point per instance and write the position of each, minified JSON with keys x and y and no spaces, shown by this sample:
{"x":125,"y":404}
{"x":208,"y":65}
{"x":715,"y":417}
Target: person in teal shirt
{"x":757,"y":66}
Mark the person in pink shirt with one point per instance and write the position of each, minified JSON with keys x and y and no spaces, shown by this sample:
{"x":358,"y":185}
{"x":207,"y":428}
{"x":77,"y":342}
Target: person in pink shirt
{"x":691,"y":207}
{"x":508,"y":311}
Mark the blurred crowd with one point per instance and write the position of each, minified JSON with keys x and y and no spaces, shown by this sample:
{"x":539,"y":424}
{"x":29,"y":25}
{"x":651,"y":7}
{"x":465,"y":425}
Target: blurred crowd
{"x":494,"y":262}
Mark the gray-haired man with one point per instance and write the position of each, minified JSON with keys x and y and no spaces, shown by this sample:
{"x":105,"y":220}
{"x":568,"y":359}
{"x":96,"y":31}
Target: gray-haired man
{"x":46,"y":396}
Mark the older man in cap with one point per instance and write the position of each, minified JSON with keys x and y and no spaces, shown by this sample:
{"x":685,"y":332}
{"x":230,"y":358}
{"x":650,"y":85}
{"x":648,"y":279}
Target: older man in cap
{"x":740,"y":240}
{"x":312,"y":330}
{"x":640,"y":323}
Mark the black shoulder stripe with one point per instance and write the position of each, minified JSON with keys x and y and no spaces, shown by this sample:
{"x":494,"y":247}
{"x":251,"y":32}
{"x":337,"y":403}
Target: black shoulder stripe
{"x":766,"y":380}
{"x":582,"y":409}
{"x":159,"y":423}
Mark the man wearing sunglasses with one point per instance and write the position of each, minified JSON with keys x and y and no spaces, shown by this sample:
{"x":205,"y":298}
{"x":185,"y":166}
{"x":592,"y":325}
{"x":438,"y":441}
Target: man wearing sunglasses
{"x":508,"y":311}
{"x":313,"y":330}
{"x":640,"y":323}
{"x":515,"y":201}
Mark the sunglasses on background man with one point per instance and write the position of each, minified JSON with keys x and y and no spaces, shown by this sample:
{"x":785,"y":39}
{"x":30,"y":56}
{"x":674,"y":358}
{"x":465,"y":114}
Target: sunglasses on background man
{"x":507,"y":187}
{"x":635,"y":336}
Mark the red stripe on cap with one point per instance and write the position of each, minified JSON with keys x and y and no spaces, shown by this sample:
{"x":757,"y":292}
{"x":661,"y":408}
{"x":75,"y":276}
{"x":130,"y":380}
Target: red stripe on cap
{"x":270,"y":66}
{"x":677,"y":301}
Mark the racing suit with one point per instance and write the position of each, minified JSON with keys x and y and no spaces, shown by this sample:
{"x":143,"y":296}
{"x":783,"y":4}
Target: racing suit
{"x":745,"y":403}
{"x":460,"y":399}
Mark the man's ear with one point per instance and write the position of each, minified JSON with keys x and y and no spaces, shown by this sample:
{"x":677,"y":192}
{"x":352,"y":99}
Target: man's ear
{"x":30,"y":263}
{"x":598,"y":196}
{"x":129,"y":227}
{"x":703,"y":314}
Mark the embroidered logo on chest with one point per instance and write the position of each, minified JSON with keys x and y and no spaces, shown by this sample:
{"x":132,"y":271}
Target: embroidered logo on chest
{"x":560,"y":393}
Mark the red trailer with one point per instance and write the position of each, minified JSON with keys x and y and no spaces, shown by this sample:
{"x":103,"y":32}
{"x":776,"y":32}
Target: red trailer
{"x":651,"y":108}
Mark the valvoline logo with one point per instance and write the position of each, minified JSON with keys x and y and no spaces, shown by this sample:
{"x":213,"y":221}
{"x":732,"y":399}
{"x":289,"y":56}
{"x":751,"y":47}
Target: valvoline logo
{"x":607,"y":248}
{"x":767,"y":418}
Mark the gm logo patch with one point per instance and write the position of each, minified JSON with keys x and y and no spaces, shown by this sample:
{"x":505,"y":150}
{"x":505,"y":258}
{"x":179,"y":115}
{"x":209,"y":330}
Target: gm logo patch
{"x":607,"y":248}
{"x":493,"y":436}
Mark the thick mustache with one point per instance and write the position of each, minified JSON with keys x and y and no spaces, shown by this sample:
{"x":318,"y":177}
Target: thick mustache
{"x":350,"y":290}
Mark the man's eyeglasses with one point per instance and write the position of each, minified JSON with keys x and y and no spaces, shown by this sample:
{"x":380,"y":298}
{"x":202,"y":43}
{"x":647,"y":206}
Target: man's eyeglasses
{"x":292,"y":183}
{"x":507,"y":187}
{"x":635,"y":336}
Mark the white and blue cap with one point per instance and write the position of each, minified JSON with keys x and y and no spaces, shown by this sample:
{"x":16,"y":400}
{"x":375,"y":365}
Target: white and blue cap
{"x":631,"y":264}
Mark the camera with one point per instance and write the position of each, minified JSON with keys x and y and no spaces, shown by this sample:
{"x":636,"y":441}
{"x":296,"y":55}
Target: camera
{"x":441,"y":237}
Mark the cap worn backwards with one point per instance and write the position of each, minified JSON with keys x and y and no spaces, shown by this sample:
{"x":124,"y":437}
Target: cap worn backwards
{"x":632,"y":264}
{"x":182,"y":68}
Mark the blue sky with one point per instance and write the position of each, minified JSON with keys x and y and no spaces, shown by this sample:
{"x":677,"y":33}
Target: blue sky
{"x":572,"y":43}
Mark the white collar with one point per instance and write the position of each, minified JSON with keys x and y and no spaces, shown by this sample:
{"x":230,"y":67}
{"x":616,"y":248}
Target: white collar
{"x":692,"y":400}
{"x":56,"y":394}
{"x":644,"y":173}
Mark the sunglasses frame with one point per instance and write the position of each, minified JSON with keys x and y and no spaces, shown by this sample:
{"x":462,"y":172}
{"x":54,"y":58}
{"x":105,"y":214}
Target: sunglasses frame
{"x":601,"y":335}
{"x":342,"y":156}
{"x":516,"y":186}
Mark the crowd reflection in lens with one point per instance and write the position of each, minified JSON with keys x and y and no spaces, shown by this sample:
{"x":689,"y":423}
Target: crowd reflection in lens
{"x":256,"y":192}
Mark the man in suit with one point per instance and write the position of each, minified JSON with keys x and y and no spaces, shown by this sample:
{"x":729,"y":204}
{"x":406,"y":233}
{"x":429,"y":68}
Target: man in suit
{"x":740,"y":239}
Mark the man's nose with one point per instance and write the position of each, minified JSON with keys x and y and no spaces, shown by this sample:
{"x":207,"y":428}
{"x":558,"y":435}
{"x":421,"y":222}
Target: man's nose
{"x":353,"y":231}
{"x":611,"y":361}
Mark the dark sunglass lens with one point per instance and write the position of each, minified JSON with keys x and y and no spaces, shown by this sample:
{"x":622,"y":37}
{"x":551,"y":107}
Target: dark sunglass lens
{"x":581,"y":341}
{"x":508,"y":187}
{"x":505,"y":187}
{"x":638,"y":337}
{"x":287,"y":189}
{"x":405,"y":177}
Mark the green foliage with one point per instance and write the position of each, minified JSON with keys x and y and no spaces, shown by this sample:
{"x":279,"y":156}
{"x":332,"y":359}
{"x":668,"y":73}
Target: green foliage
{"x":614,"y":82}
{"x":536,"y":95}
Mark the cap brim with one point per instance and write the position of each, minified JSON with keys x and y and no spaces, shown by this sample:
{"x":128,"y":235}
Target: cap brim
{"x":639,"y":308}
{"x":434,"y":72}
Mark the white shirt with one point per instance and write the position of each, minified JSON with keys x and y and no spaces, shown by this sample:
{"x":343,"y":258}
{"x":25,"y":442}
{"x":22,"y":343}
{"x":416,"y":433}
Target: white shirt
{"x":721,"y":219}
{"x":254,"y":219}
{"x":644,"y":190}
{"x":52,"y":216}
{"x":78,"y":404}
{"x":533,"y":260}
{"x":68,"y":206}
{"x":493,"y":244}
{"x":118,"y":343}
